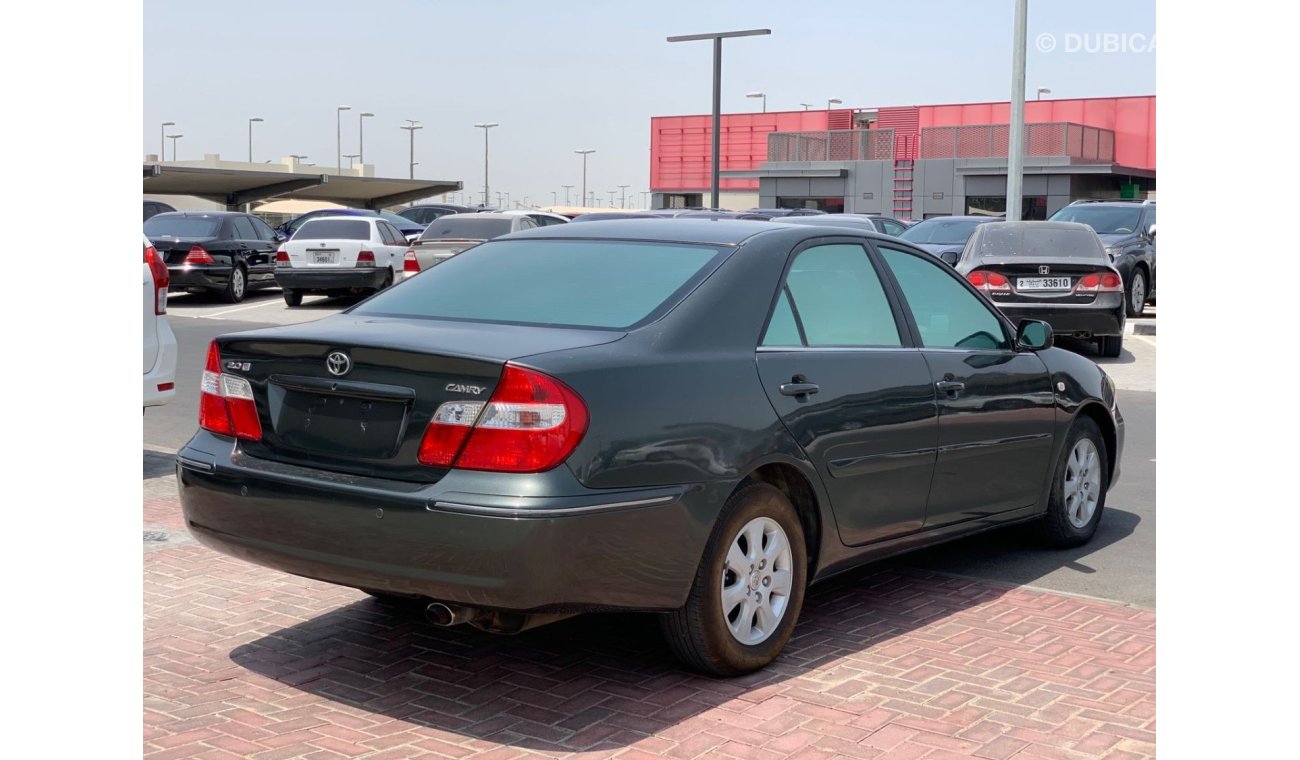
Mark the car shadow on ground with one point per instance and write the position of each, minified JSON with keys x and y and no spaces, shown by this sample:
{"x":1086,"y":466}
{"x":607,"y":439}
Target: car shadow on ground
{"x":1089,"y":349}
{"x":553,"y":688}
{"x":158,"y":464}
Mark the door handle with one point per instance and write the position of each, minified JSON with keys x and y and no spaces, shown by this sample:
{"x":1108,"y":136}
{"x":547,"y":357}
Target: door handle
{"x":952,"y":387}
{"x":799,"y":389}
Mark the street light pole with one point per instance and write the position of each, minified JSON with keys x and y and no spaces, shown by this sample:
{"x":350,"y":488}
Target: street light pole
{"x":806,"y":106}
{"x":762,"y":95}
{"x":1041,"y":91}
{"x":351,"y":157}
{"x":485,"y":127}
{"x":1015,"y":136}
{"x":566,"y":193}
{"x":833,"y":101}
{"x":361,"y":136}
{"x":250,"y":137}
{"x":584,"y":170}
{"x":717,"y":93}
{"x":162,"y":139}
{"x":174,"y":138}
{"x":338,"y":133}
{"x":410,"y":127}
{"x":623,"y":200}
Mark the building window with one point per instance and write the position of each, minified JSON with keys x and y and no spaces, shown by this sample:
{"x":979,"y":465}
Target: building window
{"x":683,"y":200}
{"x":829,"y":205}
{"x":1033,"y":207}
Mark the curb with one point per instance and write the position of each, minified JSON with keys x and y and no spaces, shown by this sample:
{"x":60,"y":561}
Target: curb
{"x":1143,"y":327}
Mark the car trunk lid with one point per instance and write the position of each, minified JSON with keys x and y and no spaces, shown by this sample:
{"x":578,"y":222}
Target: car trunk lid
{"x":325,"y":254}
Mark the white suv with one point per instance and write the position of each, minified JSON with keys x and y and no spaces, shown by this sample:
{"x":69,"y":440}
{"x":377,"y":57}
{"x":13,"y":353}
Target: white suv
{"x":159,"y":342}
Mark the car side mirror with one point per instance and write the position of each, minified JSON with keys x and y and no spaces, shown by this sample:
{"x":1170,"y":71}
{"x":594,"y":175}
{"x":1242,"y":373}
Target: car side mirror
{"x":1151,"y":231}
{"x":950,"y":258}
{"x":1033,"y":335}
{"x":280,"y":237}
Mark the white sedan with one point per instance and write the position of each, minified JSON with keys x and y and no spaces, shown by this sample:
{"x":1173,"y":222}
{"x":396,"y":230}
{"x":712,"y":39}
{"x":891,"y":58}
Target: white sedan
{"x":159,"y":341}
{"x":340,"y":255}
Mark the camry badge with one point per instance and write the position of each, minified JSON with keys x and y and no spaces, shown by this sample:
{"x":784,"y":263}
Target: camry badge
{"x":1044,"y":270}
{"x":458,"y":388}
{"x":338,"y":364}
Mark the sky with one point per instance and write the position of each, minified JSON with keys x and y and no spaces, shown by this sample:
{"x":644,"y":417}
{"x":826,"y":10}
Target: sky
{"x":586,"y":75}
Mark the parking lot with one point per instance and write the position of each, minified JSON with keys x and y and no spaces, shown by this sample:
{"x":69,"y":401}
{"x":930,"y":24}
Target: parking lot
{"x":988,"y":647}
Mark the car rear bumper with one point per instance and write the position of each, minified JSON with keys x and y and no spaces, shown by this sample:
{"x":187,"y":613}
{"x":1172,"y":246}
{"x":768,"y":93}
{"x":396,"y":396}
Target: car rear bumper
{"x":198,"y":278}
{"x":163,"y":372}
{"x":452,"y":541}
{"x":307,"y":280}
{"x":1105,"y":316}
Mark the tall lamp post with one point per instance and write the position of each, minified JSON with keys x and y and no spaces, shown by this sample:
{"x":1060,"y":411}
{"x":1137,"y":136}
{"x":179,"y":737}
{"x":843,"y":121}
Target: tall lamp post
{"x":567,"y":188}
{"x":833,"y":102}
{"x":717,"y":92}
{"x":584,"y":153}
{"x":162,"y":139}
{"x":351,"y":157}
{"x":361,"y":136}
{"x":1041,"y":91}
{"x":410,"y":127}
{"x":762,"y":95}
{"x":485,"y":127}
{"x":806,"y":106}
{"x":174,"y":138}
{"x":1015,"y":133}
{"x":250,"y":137}
{"x":623,"y":200}
{"x":338,"y":133}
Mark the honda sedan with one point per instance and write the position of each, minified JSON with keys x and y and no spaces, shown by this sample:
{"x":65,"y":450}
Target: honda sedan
{"x":695,"y":419}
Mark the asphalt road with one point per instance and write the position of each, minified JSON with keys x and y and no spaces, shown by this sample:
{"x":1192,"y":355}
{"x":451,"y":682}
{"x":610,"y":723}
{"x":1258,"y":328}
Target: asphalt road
{"x":1119,"y":564}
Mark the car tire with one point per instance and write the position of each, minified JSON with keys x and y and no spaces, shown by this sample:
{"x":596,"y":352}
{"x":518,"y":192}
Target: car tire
{"x":292,"y":297}
{"x":388,"y":281}
{"x":759,"y":527}
{"x":1079,"y":484}
{"x":1110,"y":346}
{"x":1135,"y":296}
{"x":236,"y":286}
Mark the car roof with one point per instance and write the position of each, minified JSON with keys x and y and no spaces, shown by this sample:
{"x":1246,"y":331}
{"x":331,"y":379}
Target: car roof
{"x":203,"y":213}
{"x":485,"y":215}
{"x":973,"y":217}
{"x":348,"y":217}
{"x":680,"y":230}
{"x":1012,"y":227}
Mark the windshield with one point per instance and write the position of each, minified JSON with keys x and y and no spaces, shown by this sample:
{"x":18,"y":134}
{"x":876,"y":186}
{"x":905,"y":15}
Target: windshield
{"x":942,"y":231}
{"x":166,"y":225}
{"x":333,"y":229}
{"x":1106,"y":220}
{"x":466,"y":227}
{"x":1003,"y":241}
{"x":590,"y":283}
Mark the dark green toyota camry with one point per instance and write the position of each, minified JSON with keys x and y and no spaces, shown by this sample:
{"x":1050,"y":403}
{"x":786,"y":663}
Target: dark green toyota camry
{"x":690,"y":418}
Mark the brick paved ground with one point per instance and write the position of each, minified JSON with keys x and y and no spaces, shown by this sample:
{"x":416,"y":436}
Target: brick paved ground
{"x":243,"y":662}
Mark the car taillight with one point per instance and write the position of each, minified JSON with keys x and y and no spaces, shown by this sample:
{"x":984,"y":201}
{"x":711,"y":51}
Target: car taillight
{"x":989,"y":282}
{"x":411,"y":265}
{"x":532,"y":423}
{"x":161,"y":279}
{"x":199,"y":255}
{"x":226,"y":402}
{"x":366,"y":259}
{"x":282,"y":258}
{"x":1105,"y":282}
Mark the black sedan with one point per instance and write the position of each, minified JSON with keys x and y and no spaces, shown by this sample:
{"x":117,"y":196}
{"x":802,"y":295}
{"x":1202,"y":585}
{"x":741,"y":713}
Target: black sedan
{"x":689,"y":417}
{"x":945,"y":236}
{"x":223,"y":252}
{"x":1057,"y":272}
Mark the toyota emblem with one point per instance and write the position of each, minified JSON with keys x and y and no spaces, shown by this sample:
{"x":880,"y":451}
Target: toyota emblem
{"x":338,"y":364}
{"x":1044,"y":270}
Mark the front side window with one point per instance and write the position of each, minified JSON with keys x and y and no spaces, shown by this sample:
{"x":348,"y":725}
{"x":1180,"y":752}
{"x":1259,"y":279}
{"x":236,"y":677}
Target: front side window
{"x":833,"y":297}
{"x":947,"y":314}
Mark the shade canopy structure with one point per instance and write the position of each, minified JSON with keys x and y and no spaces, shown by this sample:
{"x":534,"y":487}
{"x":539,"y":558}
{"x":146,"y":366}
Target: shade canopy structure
{"x":236,"y":187}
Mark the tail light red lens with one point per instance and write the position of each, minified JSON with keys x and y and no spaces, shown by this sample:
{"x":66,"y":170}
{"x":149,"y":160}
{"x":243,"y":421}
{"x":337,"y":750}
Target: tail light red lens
{"x":1104,"y":282}
{"x":226,"y":403}
{"x":199,"y":255}
{"x":989,"y":282}
{"x":366,"y":259}
{"x":161,"y":279}
{"x":532,"y":423}
{"x":282,"y":258}
{"x":410,"y":264}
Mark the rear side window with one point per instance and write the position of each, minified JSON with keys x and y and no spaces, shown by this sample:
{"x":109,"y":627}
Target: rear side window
{"x":603,"y":284}
{"x":243,"y":229}
{"x":834,"y":298}
{"x":164,"y":225}
{"x":334,"y":229}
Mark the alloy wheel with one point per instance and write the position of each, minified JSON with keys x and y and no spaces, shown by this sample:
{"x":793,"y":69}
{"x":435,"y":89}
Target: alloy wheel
{"x":1082,"y":483}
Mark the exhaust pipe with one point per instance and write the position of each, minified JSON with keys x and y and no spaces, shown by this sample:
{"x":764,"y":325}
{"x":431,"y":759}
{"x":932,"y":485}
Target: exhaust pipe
{"x":443,"y":615}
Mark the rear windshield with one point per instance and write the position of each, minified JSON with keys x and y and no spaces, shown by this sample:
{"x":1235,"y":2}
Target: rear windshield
{"x":466,"y":226}
{"x":395,"y":220}
{"x":999,"y":242}
{"x":942,"y":231}
{"x":333,"y":229}
{"x":605,"y":284}
{"x":1106,"y":220}
{"x":181,"y":226}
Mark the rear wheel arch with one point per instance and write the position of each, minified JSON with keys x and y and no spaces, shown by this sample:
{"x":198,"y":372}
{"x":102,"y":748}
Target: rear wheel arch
{"x":798,"y":488}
